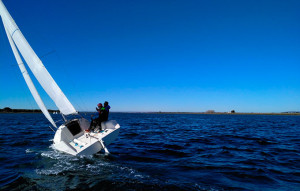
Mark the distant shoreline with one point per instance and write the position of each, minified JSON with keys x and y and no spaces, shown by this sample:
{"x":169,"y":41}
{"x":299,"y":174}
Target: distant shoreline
{"x":6,"y":110}
{"x":9,"y":110}
{"x":225,"y":113}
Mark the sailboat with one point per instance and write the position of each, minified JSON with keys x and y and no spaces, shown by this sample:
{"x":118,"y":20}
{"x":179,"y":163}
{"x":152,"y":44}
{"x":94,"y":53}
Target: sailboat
{"x":72,"y":136}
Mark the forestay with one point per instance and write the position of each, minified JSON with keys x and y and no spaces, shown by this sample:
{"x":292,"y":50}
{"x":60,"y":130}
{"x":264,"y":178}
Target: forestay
{"x":35,"y":64}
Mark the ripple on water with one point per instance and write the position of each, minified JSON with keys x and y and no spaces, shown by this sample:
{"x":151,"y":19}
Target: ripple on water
{"x":8,"y":176}
{"x":158,"y":152}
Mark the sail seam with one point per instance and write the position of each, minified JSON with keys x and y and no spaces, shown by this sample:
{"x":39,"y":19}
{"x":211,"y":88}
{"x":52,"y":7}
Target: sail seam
{"x":12,"y":34}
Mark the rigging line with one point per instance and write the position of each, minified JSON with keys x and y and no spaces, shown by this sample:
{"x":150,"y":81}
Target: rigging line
{"x":58,"y":121}
{"x":51,"y":129}
{"x":53,"y":51}
{"x":68,"y":77}
{"x":73,"y":84}
{"x":48,"y":53}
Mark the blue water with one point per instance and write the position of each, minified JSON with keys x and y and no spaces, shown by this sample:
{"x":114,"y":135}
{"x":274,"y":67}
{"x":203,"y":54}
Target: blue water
{"x":158,"y":152}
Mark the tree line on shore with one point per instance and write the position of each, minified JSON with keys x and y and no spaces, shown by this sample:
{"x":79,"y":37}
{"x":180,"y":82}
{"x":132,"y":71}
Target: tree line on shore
{"x":9,"y":110}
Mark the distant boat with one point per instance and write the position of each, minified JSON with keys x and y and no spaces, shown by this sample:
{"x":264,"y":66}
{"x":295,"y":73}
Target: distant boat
{"x":71,"y":136}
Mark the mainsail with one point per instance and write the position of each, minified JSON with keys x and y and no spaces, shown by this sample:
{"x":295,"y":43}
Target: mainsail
{"x":35,"y":64}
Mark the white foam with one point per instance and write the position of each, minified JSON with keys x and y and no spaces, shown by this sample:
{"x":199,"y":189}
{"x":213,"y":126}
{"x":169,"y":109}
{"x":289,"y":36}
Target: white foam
{"x":48,"y":172}
{"x":28,"y":151}
{"x":61,"y":162}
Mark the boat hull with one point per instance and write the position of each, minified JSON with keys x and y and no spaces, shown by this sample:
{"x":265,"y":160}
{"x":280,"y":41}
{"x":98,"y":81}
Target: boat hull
{"x":79,"y":142}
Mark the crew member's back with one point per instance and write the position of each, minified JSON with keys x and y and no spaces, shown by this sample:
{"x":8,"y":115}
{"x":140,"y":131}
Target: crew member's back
{"x":106,"y":112}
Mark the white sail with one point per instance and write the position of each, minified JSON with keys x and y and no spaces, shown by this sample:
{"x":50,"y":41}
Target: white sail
{"x":28,"y":80}
{"x":35,"y":64}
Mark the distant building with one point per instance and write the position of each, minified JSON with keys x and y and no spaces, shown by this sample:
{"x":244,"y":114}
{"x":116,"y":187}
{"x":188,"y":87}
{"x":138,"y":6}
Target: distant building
{"x":291,"y":112}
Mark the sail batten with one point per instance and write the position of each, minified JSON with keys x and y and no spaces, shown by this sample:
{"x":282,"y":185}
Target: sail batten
{"x":35,"y":64}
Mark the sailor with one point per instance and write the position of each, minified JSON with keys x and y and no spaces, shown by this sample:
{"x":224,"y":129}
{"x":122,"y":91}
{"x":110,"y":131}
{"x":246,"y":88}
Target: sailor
{"x":106,"y":113}
{"x":101,"y":116}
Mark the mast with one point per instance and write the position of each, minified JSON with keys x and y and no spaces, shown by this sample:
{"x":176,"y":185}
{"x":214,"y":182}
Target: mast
{"x":35,"y":64}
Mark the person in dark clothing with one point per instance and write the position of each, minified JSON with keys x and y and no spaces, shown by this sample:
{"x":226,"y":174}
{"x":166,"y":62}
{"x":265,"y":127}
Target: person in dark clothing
{"x":106,"y":113}
{"x":101,"y":111}
{"x":101,"y":117}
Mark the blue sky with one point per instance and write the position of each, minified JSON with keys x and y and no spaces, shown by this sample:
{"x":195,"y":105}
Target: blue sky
{"x":166,"y":55}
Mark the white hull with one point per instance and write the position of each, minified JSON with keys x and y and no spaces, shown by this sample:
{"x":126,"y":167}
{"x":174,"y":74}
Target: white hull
{"x":72,"y":140}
